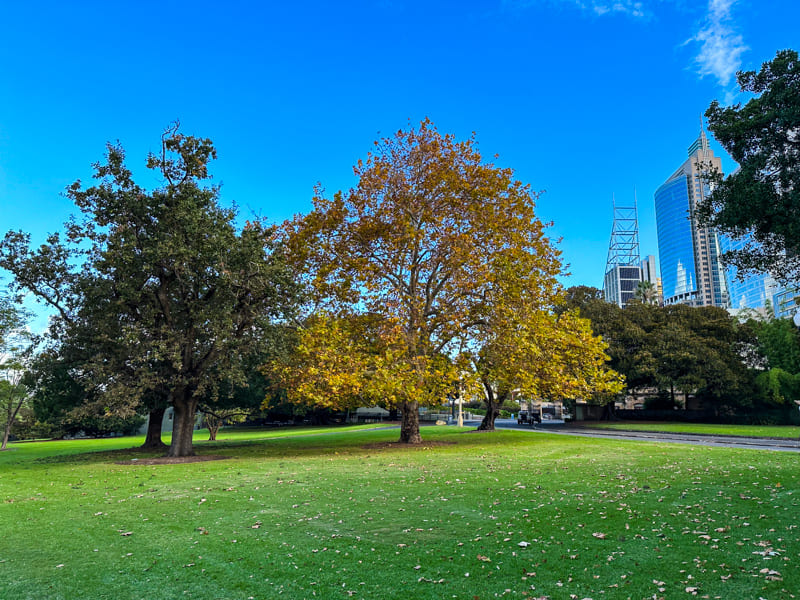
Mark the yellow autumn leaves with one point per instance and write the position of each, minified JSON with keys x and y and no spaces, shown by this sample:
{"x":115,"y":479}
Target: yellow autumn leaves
{"x":434,"y":257}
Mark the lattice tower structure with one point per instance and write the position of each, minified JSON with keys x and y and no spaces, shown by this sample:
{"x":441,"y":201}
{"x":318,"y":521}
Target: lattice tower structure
{"x":623,"y":265}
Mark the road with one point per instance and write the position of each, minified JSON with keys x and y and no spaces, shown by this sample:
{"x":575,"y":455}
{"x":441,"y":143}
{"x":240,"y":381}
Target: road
{"x":558,"y":427}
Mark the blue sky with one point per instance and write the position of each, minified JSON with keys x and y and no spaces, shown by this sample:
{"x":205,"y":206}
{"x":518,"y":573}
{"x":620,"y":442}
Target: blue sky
{"x":585,"y":99}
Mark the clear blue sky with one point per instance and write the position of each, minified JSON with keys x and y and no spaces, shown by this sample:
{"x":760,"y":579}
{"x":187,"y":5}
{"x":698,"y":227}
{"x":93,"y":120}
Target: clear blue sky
{"x":585,"y":99}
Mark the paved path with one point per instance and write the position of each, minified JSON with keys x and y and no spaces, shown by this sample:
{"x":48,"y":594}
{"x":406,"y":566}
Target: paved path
{"x":779,"y":445}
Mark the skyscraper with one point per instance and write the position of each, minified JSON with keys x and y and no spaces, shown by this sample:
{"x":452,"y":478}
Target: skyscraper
{"x":754,"y":290}
{"x":691,"y":272}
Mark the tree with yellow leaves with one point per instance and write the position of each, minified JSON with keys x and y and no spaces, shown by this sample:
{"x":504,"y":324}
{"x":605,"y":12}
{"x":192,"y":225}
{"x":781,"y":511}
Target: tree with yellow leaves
{"x":428,"y":245}
{"x":518,"y":343}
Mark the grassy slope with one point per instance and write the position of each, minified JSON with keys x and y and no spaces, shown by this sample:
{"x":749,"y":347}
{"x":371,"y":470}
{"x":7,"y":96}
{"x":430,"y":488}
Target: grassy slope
{"x":327,"y":517}
{"x":776,"y":431}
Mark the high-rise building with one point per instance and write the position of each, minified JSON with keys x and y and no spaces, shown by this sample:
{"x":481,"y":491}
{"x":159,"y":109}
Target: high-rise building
{"x":623,"y":271}
{"x":691,"y":272}
{"x":786,"y":302}
{"x":753,"y":291}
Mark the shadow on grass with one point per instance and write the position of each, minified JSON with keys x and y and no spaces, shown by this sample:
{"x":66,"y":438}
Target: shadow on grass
{"x":298,"y":446}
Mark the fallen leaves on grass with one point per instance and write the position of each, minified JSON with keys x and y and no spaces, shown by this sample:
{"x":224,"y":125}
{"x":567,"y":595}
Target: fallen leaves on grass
{"x":771,"y":575}
{"x":169,"y":460}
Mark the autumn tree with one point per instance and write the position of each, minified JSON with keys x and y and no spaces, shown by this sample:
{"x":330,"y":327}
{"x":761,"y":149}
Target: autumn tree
{"x":348,"y":360}
{"x":760,"y":202}
{"x":519,"y":343}
{"x":417,"y":245}
{"x":165,"y":295}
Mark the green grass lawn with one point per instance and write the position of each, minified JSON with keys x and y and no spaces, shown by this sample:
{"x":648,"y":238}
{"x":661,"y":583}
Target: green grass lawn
{"x":507,"y":514}
{"x":776,"y":431}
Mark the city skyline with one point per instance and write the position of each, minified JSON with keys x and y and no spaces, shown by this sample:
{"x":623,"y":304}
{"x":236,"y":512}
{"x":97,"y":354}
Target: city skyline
{"x":585,"y":100}
{"x":690,"y":266}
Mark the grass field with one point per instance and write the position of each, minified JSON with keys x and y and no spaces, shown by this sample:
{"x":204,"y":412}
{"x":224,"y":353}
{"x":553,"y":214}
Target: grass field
{"x":775,"y":431}
{"x":343,"y":514}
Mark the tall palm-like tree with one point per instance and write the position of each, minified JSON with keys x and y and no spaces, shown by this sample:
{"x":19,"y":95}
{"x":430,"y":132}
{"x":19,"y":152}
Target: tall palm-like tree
{"x":646,"y":292}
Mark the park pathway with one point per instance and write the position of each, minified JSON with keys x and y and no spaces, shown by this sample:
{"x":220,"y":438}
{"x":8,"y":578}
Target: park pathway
{"x":775,"y":444}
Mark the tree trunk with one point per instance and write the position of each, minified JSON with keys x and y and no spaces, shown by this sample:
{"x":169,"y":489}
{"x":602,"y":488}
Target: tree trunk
{"x":6,"y":435}
{"x":608,"y":412}
{"x":487,"y":424}
{"x":12,"y":414}
{"x":185,"y":409}
{"x":409,"y":424}
{"x":152,"y":440}
{"x":493,"y":404}
{"x":213,"y":424}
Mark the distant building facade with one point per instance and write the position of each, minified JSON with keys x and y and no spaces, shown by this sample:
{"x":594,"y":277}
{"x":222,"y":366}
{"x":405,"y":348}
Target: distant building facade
{"x":691,"y":272}
{"x":755,"y":290}
{"x":786,"y":302}
{"x":650,"y":274}
{"x":620,"y":283}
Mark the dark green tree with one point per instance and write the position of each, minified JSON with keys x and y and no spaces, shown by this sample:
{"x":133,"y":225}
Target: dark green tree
{"x":760,"y":202}
{"x":778,"y":384}
{"x":168,"y":297}
{"x":674,"y":349}
{"x":702,"y":351}
{"x":63,"y":406}
{"x":779,"y":344}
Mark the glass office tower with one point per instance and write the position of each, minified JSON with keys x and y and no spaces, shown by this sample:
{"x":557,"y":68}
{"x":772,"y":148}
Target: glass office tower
{"x":691,"y":272}
{"x":754,"y":290}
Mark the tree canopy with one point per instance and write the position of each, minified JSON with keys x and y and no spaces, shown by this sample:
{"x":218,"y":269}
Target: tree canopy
{"x":162,"y":292}
{"x":426,"y":251}
{"x":699,"y":351}
{"x":760,"y":202}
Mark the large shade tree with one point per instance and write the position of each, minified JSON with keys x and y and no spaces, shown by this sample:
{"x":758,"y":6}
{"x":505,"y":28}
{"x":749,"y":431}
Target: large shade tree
{"x":418,"y":245}
{"x":165,"y":295}
{"x":760,"y":202}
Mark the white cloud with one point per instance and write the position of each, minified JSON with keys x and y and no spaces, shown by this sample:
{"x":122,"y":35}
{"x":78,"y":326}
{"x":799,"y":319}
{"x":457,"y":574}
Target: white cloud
{"x":721,"y":47}
{"x":633,"y":8}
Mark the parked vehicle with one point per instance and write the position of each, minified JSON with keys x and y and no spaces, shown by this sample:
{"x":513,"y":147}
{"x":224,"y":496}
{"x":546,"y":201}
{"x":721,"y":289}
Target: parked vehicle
{"x":529,"y":417}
